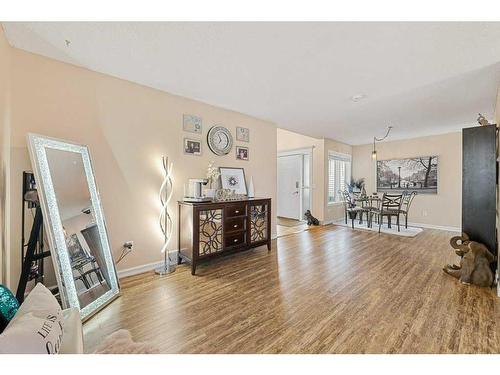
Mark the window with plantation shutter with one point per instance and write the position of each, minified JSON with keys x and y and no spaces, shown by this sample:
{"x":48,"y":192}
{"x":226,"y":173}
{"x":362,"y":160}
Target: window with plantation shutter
{"x":339,"y":175}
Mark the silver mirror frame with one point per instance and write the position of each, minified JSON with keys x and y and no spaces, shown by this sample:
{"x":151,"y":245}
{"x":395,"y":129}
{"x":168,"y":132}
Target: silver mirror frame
{"x":38,"y":145}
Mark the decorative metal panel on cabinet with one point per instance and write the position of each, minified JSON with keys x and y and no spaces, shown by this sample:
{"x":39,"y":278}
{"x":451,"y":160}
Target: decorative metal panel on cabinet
{"x":479,"y":184}
{"x":211,"y":229}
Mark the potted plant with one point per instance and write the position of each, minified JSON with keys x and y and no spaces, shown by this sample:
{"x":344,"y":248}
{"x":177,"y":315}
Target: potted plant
{"x":351,"y":204}
{"x":356,"y":186}
{"x":212,"y":176}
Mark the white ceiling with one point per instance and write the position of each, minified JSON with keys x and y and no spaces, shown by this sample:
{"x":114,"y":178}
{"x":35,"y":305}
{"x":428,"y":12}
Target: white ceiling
{"x":421,"y":78}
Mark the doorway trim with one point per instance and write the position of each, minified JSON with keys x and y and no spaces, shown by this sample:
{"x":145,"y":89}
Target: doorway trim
{"x":302,"y":151}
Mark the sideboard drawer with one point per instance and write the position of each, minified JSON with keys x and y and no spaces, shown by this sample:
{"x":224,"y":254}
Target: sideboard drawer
{"x":233,"y":224}
{"x":236,"y":210}
{"x":234,"y":239}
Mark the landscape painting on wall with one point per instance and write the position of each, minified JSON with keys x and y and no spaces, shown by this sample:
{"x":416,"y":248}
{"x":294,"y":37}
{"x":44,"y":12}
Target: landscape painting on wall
{"x":418,"y":174}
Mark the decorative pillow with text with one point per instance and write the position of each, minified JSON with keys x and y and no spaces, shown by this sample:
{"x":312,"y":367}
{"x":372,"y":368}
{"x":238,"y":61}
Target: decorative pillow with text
{"x":37,"y":327}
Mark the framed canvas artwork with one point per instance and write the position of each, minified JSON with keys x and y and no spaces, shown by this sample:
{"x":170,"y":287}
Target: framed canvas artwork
{"x":418,"y":174}
{"x":192,"y":124}
{"x":192,"y":146}
{"x":242,"y":134}
{"x":234,"y":179}
{"x":241,"y":153}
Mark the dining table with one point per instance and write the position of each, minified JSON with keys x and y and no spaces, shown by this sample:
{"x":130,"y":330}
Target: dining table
{"x":367,"y":202}
{"x":367,"y":198}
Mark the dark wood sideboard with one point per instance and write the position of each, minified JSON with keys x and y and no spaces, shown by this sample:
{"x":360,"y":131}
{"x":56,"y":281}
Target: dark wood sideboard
{"x":211,"y":229}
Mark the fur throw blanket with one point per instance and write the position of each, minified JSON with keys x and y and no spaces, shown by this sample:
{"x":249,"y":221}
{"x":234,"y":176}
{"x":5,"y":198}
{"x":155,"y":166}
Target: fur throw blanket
{"x":120,"y":342}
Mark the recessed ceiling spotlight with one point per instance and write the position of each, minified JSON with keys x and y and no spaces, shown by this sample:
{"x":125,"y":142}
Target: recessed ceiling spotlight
{"x":358,"y":97}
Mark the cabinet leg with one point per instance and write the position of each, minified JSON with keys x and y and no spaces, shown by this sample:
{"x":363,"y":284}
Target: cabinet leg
{"x":179,"y":259}
{"x":268,"y":245}
{"x":193,"y":269}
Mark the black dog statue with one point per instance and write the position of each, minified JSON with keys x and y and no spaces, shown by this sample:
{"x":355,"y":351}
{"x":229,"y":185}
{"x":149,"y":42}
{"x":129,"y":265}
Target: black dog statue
{"x":311,"y":220}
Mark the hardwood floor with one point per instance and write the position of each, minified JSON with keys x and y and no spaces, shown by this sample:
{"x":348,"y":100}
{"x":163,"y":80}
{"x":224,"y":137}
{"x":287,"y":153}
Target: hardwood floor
{"x":326,"y":290}
{"x":285,"y":231}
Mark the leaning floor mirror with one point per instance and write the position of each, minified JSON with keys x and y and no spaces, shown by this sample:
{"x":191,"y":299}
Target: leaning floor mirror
{"x":75,"y":225}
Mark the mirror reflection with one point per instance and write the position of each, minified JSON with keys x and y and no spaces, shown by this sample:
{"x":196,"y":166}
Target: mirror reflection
{"x":83,"y":241}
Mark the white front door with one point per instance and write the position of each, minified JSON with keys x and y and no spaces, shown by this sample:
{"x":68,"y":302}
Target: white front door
{"x":289,"y":185}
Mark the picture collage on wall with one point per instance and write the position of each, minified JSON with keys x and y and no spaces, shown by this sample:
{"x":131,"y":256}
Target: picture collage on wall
{"x":219,"y":138}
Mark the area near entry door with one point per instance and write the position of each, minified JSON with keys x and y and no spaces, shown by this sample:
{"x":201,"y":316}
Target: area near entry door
{"x":290,"y":169}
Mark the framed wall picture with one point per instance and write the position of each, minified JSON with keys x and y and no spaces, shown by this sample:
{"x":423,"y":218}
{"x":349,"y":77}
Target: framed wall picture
{"x":241,"y":153}
{"x":234,"y":179}
{"x":242,"y":134}
{"x":192,"y":124}
{"x":418,"y":174}
{"x":192,"y":146}
{"x":75,"y":249}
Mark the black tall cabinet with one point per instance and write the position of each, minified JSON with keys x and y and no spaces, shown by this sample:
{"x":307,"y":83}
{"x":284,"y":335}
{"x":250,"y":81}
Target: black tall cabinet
{"x":479,"y":184}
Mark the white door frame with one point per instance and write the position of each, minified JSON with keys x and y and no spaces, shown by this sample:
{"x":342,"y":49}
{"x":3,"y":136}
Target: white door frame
{"x":309,"y":152}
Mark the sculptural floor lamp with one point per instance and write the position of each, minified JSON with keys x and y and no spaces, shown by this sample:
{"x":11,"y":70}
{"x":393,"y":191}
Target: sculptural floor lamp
{"x":165,"y":221}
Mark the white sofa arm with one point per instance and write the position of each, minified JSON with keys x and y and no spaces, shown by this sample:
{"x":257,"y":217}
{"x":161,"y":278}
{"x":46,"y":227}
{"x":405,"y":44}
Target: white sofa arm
{"x":72,"y":340}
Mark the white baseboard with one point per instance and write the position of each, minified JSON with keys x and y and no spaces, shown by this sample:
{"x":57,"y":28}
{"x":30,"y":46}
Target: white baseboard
{"x":138,"y":269}
{"x":432,"y":226}
{"x":151,"y":266}
{"x":418,"y":225}
{"x":144,"y":268}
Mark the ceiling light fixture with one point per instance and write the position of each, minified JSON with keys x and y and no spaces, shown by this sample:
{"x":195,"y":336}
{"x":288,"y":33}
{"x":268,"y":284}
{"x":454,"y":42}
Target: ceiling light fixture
{"x":358,"y":97}
{"x":375,"y":139}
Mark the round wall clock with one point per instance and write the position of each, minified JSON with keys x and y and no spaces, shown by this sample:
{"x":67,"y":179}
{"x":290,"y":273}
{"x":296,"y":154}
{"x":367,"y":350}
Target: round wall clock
{"x":220,"y":140}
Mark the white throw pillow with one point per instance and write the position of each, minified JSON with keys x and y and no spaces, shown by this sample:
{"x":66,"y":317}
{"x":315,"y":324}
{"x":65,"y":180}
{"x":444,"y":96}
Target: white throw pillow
{"x":37,"y":327}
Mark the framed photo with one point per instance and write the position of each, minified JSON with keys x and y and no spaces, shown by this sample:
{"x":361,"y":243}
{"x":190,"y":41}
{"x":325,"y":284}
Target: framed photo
{"x":242,"y":134}
{"x":241,"y":153}
{"x":75,"y":249}
{"x":234,"y":179}
{"x":192,"y":124}
{"x":414,"y":174}
{"x":192,"y":146}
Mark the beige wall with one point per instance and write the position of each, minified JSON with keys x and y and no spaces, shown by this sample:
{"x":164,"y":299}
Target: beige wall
{"x":127,"y":128}
{"x":442,"y":209}
{"x":287,"y":140}
{"x":5,"y":51}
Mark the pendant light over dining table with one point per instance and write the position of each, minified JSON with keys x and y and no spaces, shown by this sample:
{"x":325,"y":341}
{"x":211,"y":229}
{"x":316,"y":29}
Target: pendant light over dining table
{"x":375,"y":139}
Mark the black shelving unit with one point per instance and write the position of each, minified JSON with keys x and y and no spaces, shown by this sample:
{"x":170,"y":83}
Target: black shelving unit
{"x":479,"y":184}
{"x":32,"y":251}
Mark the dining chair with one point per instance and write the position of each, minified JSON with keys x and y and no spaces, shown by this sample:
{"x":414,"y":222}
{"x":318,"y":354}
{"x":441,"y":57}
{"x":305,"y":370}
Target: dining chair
{"x":370,"y":204}
{"x":405,"y":205}
{"x":349,"y":207}
{"x":390,"y":206}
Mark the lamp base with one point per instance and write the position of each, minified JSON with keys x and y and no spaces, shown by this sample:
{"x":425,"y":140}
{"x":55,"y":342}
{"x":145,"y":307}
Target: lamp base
{"x":165,"y":269}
